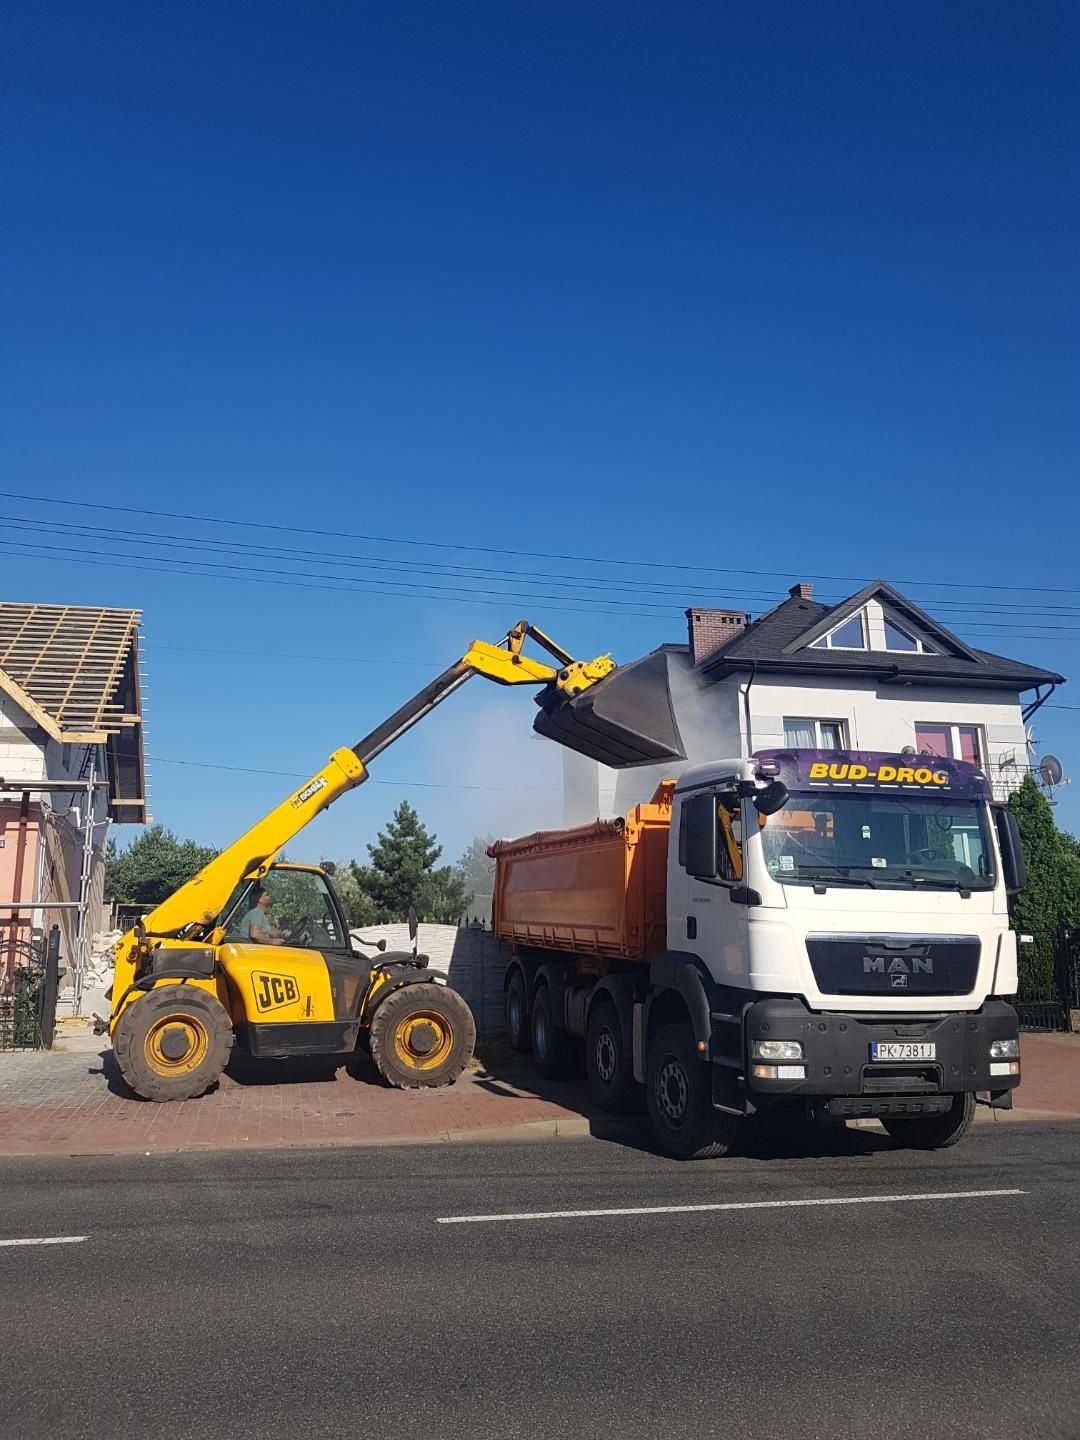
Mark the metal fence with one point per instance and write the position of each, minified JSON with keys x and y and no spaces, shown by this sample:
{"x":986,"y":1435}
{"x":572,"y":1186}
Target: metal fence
{"x":29,"y":983}
{"x":1049,"y":994}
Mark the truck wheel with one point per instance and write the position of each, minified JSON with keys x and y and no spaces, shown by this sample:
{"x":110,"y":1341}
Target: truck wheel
{"x":172,"y":1043}
{"x":422,"y":1036}
{"x":553,"y":1051}
{"x":610,"y":1071}
{"x":517,"y":1014}
{"x":678,"y":1094}
{"x":934,"y":1132}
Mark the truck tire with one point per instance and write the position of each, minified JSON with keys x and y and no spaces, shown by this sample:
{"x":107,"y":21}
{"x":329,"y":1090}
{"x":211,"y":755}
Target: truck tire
{"x":610,"y":1070}
{"x":172,"y":1043}
{"x":422,"y":1036}
{"x":552,"y":1047}
{"x":517,"y":1013}
{"x":934,"y":1132}
{"x":678,"y":1094}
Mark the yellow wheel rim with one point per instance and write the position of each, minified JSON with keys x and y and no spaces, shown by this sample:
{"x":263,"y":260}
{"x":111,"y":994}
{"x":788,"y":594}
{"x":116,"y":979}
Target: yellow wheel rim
{"x":423,"y":1040}
{"x":176,"y":1044}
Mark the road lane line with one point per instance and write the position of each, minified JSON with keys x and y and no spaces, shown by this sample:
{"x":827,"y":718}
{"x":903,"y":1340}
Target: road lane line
{"x":723,"y":1205}
{"x":48,"y":1240}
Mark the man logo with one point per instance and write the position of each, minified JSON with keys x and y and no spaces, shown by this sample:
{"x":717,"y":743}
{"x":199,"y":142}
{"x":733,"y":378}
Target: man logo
{"x":274,"y":992}
{"x":899,"y":967}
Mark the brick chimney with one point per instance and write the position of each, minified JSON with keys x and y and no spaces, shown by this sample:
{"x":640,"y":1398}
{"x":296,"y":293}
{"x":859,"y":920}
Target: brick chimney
{"x":802,"y":591}
{"x":709,"y":629}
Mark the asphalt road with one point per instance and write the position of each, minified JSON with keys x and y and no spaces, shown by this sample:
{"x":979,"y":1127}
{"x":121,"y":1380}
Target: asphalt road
{"x":314,"y":1293}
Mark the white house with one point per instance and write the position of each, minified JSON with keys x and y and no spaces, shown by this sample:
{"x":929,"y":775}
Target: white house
{"x":874,"y":672}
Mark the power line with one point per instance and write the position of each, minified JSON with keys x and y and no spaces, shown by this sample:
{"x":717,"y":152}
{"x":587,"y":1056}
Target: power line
{"x":502,"y":550}
{"x":371,"y":780}
{"x":1031,"y":615}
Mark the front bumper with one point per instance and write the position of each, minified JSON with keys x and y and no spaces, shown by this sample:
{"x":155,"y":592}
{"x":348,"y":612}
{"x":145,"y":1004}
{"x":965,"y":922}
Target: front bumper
{"x":841,"y":1076}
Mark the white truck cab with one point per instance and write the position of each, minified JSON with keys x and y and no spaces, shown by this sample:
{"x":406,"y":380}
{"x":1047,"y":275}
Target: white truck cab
{"x":846,"y":918}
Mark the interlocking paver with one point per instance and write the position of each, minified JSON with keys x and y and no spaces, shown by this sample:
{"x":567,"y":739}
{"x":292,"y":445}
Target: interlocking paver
{"x":73,"y":1102}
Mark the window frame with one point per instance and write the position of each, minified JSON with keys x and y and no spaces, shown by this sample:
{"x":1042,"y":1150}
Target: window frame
{"x":816,"y":722}
{"x":952,"y":729}
{"x":825,"y":642}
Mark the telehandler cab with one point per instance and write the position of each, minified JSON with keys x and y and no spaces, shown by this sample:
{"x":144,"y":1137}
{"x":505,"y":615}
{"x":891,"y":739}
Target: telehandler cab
{"x":191,"y":982}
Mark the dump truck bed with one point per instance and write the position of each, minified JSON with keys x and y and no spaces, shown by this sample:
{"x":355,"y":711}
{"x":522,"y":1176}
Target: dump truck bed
{"x":598,"y":889}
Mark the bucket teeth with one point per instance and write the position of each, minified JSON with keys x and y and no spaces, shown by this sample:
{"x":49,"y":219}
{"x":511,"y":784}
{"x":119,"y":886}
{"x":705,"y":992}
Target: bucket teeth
{"x":624,"y":720}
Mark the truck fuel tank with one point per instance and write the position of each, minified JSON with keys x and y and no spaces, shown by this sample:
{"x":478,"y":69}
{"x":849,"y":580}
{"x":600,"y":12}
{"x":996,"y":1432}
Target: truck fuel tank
{"x":623,"y":720}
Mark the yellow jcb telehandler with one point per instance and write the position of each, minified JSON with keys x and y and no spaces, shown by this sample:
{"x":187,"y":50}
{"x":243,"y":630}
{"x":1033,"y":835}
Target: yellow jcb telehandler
{"x":218,"y":963}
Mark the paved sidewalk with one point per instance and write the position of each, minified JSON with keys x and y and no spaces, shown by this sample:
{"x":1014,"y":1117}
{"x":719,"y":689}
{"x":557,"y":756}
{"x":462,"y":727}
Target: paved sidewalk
{"x":71,"y":1102}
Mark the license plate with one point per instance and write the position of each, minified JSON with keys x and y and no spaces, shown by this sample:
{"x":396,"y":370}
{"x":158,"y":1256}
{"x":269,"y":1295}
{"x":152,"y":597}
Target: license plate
{"x":902,"y":1050}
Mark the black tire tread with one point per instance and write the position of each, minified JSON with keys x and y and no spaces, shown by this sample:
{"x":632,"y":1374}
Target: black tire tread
{"x":129,"y":1035}
{"x":934,"y":1132}
{"x":711,"y":1132}
{"x":559,"y":1062}
{"x":522,"y":1040}
{"x":625,"y":1096}
{"x":425,"y":995}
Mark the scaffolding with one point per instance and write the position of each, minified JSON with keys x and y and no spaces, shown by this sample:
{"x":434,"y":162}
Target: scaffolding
{"x":19,"y":913}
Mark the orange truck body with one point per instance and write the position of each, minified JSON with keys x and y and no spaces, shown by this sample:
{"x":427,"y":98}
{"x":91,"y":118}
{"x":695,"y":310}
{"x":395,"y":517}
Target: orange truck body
{"x":597,"y":890}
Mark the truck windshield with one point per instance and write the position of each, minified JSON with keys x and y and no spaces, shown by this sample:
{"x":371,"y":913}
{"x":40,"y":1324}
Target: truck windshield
{"x":881,"y":840}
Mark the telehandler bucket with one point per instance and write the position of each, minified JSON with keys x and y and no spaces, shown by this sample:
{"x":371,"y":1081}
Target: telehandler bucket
{"x":623,"y":720}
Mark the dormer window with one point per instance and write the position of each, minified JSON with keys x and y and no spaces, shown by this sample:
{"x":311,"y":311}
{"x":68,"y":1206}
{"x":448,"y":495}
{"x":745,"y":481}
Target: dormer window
{"x":851,"y":635}
{"x":872,"y":629}
{"x":897,"y":639}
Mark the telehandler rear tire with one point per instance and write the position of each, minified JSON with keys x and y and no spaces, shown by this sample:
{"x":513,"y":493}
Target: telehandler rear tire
{"x":422,"y":1036}
{"x":173,"y":1042}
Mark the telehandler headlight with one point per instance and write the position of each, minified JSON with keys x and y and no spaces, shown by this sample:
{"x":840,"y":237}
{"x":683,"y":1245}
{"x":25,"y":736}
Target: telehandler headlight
{"x":778,"y":1050}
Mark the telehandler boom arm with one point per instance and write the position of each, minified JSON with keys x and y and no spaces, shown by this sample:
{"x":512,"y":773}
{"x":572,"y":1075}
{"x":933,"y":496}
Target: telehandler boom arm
{"x":194,"y":909}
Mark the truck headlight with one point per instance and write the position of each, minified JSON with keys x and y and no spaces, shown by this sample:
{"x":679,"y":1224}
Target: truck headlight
{"x":779,"y":1050}
{"x":778,"y":1072}
{"x":1004,"y":1049}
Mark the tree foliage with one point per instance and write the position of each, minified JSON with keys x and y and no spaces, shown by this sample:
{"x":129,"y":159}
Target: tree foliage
{"x":477,"y":871}
{"x":1050,"y":898}
{"x":154,"y":865}
{"x":402,"y":872}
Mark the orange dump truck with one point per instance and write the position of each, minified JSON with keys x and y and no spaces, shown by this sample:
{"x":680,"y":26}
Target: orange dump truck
{"x":767,"y":936}
{"x":598,"y":892}
{"x":584,"y":912}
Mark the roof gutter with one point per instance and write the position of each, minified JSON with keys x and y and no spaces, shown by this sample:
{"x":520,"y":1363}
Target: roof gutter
{"x":1040,"y":700}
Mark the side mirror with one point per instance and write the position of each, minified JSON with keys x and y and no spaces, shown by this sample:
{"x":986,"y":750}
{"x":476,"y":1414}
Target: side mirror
{"x":380,"y":944}
{"x":773,"y":798}
{"x":329,"y":868}
{"x":1012,"y":850}
{"x":414,"y":924}
{"x":699,"y":836}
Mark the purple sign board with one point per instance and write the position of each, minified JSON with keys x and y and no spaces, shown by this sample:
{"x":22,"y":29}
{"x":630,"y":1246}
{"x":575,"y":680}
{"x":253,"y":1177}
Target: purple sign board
{"x":805,"y":771}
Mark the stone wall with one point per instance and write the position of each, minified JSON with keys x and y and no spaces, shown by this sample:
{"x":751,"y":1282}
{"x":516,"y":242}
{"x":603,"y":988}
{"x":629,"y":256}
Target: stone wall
{"x":471,"y":959}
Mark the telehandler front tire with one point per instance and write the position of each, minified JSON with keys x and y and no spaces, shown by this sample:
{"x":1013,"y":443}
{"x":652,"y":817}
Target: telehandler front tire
{"x":172,"y":1043}
{"x":422,"y":1036}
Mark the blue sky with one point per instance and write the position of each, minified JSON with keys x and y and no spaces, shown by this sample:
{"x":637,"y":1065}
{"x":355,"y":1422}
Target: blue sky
{"x":782,"y":288}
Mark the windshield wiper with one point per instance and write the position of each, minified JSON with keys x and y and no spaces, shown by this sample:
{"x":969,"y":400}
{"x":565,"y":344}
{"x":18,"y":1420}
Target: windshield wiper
{"x":824,"y":881}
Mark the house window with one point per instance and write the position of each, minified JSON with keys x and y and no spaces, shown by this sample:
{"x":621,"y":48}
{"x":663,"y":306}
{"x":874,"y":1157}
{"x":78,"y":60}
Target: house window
{"x":897,"y":639}
{"x":805,"y":734}
{"x":951,"y":742}
{"x":851,"y":635}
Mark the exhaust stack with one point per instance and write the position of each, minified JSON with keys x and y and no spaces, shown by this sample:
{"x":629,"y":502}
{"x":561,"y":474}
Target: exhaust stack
{"x":623,"y":720}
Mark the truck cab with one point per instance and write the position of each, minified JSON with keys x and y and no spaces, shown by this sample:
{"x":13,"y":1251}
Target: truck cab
{"x":851,"y":934}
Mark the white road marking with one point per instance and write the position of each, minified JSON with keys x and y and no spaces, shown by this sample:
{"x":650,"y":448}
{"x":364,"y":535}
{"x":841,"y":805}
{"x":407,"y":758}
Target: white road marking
{"x":48,"y":1240}
{"x":724,"y":1205}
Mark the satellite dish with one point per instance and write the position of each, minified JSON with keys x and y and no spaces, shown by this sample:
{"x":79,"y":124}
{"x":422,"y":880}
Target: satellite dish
{"x":1050,"y":770}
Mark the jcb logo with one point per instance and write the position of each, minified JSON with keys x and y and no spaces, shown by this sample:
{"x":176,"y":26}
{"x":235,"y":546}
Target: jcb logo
{"x":273,"y":992}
